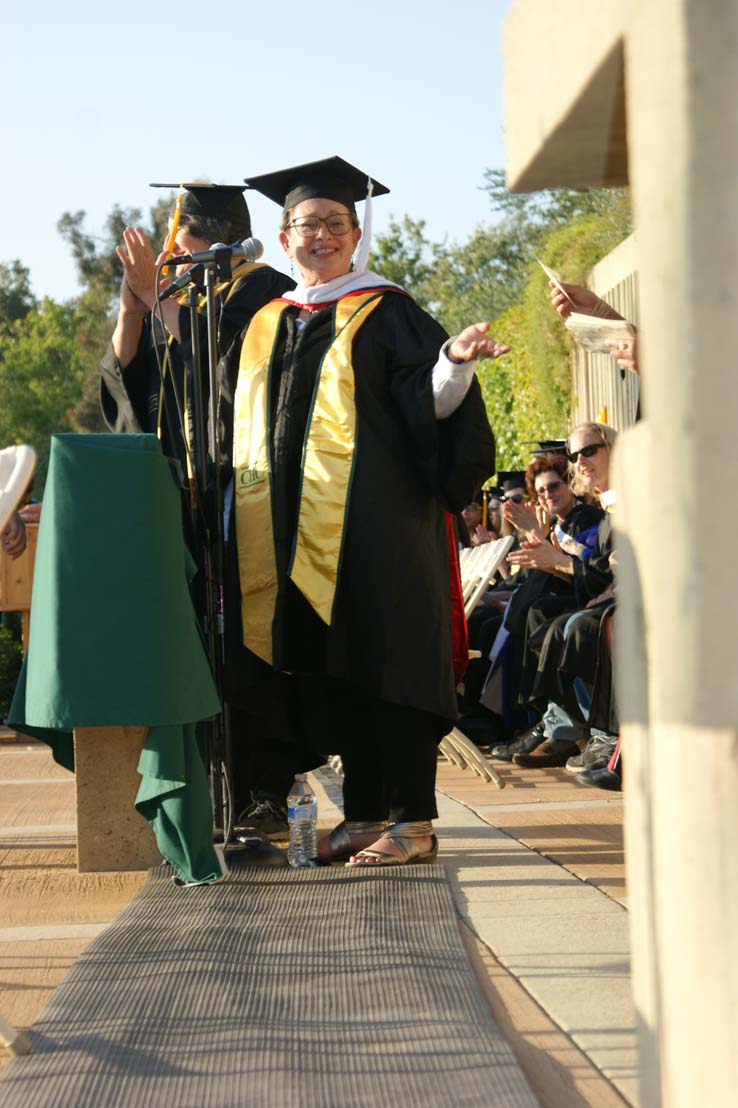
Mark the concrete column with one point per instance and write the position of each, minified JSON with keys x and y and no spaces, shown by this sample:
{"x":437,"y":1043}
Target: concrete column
{"x":111,"y":835}
{"x":677,"y":482}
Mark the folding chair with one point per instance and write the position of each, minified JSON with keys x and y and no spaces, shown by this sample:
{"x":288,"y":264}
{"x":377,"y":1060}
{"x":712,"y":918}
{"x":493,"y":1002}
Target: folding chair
{"x":478,"y":566}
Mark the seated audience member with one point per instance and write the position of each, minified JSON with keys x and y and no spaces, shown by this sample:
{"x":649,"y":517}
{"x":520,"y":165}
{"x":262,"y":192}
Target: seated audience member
{"x":471,"y":517}
{"x":546,"y":482}
{"x":555,"y":738}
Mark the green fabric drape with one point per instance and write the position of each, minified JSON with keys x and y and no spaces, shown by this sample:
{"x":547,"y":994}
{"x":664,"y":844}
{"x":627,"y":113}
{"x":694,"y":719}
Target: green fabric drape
{"x":114,"y":638}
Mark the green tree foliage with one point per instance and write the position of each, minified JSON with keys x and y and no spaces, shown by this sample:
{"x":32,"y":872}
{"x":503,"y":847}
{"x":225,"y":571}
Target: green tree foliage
{"x":494,"y":276}
{"x":457,"y":283}
{"x":100,"y":272}
{"x":16,"y":297}
{"x":98,"y":267}
{"x":528,"y":392}
{"x":476,"y":280}
{"x":40,"y":379}
{"x":404,"y":255}
{"x":11,"y":659}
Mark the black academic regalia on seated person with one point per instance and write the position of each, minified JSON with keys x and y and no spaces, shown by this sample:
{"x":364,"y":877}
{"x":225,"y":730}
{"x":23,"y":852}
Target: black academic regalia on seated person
{"x":390,"y":633}
{"x":549,"y":681}
{"x":129,"y":395}
{"x":537,"y":584}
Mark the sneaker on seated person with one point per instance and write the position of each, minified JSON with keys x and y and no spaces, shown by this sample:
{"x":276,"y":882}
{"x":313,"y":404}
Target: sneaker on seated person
{"x":596,"y":754}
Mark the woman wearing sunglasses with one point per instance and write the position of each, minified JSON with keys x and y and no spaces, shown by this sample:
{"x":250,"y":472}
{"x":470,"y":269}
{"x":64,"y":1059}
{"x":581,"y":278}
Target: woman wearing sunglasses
{"x":588,"y":450}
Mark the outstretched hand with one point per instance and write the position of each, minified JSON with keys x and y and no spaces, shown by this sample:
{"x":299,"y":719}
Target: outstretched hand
{"x":577,"y":298}
{"x":474,"y":343}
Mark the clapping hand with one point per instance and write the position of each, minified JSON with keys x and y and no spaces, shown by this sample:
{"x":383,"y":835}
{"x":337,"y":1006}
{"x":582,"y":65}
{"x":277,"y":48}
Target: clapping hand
{"x":482,"y":535}
{"x":524,"y":517}
{"x":538,"y":553}
{"x":139,"y":268}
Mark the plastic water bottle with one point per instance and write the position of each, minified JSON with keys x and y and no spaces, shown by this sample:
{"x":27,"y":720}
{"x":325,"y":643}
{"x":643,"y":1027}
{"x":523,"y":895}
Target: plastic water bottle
{"x":302,"y":814}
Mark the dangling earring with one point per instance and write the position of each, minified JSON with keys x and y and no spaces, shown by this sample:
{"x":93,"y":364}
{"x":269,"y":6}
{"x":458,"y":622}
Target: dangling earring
{"x":292,"y":269}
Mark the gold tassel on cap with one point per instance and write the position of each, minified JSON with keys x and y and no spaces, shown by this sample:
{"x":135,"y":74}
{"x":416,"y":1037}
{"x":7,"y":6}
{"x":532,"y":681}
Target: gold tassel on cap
{"x":169,"y":244}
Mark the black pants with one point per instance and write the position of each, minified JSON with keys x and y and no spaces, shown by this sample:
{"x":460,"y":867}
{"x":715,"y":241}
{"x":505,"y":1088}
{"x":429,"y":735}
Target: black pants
{"x":389,"y":751}
{"x":394,"y":775}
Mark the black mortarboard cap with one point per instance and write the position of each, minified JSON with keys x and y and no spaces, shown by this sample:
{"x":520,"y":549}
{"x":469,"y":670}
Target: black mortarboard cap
{"x":494,"y":492}
{"x":213,"y":201}
{"x":511,"y":479}
{"x":330,"y":179}
{"x":546,"y":446}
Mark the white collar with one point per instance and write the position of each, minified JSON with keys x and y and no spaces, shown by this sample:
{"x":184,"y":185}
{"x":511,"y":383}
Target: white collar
{"x":338,"y":287}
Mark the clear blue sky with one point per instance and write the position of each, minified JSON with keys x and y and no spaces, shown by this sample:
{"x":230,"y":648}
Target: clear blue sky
{"x":99,"y":100}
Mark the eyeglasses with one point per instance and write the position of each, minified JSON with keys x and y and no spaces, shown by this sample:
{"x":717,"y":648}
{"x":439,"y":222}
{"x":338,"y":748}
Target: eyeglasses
{"x":308,"y":225}
{"x":586,"y":451}
{"x":516,"y":497}
{"x":546,"y":490}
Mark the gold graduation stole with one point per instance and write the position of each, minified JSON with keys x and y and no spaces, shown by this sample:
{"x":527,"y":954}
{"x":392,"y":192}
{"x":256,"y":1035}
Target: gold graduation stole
{"x":328,"y":459}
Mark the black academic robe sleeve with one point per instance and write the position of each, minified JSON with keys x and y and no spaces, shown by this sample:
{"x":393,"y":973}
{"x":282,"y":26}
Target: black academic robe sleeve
{"x":125,"y":392}
{"x":594,"y":575}
{"x":453,"y":456}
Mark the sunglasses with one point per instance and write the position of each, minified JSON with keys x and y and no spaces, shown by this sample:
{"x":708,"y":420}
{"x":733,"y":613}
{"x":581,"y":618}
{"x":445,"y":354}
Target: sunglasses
{"x":516,"y":497}
{"x":586,"y":451}
{"x":546,"y":490}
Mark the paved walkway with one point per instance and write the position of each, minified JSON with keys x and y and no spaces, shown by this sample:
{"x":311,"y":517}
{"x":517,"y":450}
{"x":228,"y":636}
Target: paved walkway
{"x":538,"y":876}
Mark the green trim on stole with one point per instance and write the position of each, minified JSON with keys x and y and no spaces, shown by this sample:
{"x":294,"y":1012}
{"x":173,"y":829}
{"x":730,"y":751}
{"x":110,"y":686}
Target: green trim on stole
{"x":328,"y":462}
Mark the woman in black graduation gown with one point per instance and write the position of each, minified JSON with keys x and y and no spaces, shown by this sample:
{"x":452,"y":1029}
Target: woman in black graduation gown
{"x":357,"y":425}
{"x":133,"y":397}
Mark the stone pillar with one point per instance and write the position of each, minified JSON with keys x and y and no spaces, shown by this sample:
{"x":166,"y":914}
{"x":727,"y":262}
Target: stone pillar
{"x":111,"y":835}
{"x":678,"y":514}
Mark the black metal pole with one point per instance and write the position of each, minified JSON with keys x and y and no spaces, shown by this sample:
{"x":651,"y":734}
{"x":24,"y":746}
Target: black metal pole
{"x":220,"y":760}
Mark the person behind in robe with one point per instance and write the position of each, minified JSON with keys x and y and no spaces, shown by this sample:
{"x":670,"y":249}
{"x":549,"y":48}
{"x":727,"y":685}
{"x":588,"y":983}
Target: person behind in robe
{"x":358,"y":425}
{"x":135,"y":399}
{"x":133,"y":396}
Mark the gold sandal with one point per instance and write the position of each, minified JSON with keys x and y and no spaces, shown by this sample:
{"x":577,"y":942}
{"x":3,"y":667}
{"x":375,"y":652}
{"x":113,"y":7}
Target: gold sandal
{"x":402,"y":834}
{"x":340,"y":838}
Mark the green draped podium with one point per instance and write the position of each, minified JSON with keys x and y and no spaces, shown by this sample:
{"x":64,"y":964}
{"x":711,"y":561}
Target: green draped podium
{"x":114,"y":638}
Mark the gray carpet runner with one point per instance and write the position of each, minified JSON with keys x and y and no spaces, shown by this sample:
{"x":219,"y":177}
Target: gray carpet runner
{"x":318,"y":988}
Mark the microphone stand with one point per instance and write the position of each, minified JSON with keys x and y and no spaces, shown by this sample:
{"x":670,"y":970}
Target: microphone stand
{"x":206,"y":510}
{"x":220,"y":750}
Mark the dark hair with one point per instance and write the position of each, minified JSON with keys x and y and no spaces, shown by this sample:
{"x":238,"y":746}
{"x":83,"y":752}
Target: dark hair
{"x":556,"y":462}
{"x":211,"y":230}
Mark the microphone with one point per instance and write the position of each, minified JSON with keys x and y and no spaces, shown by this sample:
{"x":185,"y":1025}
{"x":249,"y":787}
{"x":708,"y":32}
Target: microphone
{"x":250,"y":249}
